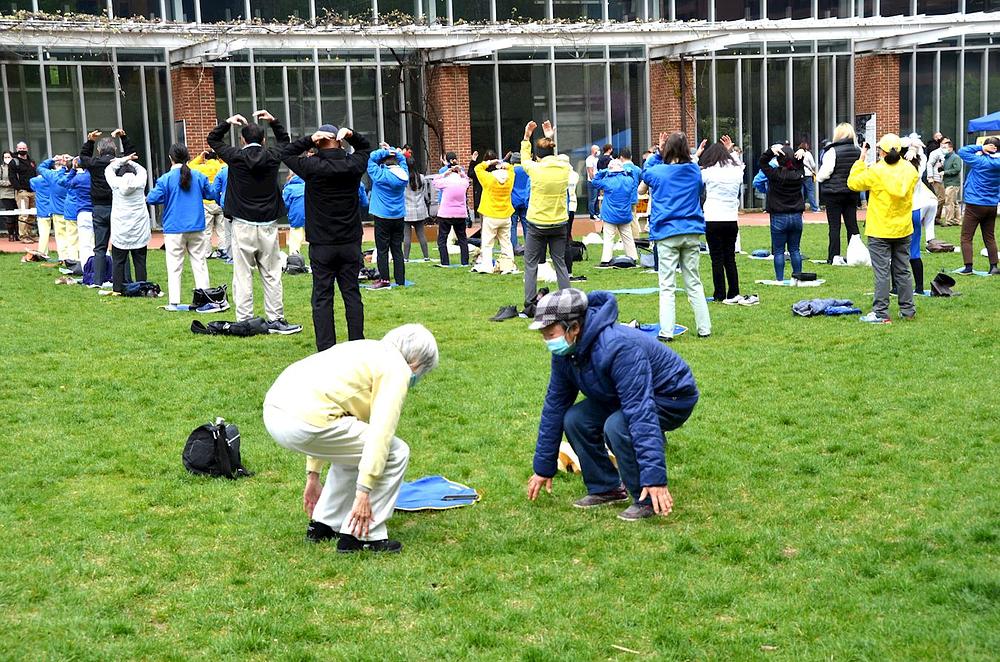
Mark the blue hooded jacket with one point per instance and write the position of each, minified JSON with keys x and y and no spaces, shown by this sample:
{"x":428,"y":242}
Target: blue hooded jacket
{"x":621,"y":368}
{"x":636,"y":172}
{"x":982,"y":177}
{"x":675,"y":198}
{"x":619,"y":189}
{"x":363,"y":195}
{"x":521,"y":193}
{"x":183,"y":211}
{"x":388,"y":196}
{"x":294,"y":195}
{"x":57,"y":190}
{"x":219,"y":186}
{"x":78,"y":193}
{"x":43,"y":204}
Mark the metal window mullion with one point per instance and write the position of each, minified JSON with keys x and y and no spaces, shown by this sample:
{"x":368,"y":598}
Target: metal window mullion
{"x":496,"y":104}
{"x":375,"y":11}
{"x":316,"y":88}
{"x":170,"y":95}
{"x":913,"y":85}
{"x":163,"y":10}
{"x":763,"y":98}
{"x":789,"y":115}
{"x":648,"y":114}
{"x":247,"y":16}
{"x":607,"y":98}
{"x":349,"y":96}
{"x":312,"y":16}
{"x":552,"y":86}
{"x":229,"y":102}
{"x":401,"y":96}
{"x":110,"y":10}
{"x":45,"y":102}
{"x":253,"y":78}
{"x":451,"y":13}
{"x":814,"y":138}
{"x":961,"y":90}
{"x":380,"y":116}
{"x":145,"y":125}
{"x":985,"y":82}
{"x":493,"y":19}
{"x":937,"y":86}
{"x":850,"y":83}
{"x":713,"y":80}
{"x":284,"y":89}
{"x":79,"y":96}
{"x":673,"y":17}
{"x":605,"y":14}
{"x":548,"y":9}
{"x":197,"y":11}
{"x":739,"y":102}
{"x":6,"y":105}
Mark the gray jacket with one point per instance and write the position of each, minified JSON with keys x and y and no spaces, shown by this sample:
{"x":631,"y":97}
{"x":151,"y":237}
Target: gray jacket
{"x":417,"y":201}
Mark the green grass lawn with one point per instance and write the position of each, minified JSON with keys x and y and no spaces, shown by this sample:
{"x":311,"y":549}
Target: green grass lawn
{"x":835,"y":490}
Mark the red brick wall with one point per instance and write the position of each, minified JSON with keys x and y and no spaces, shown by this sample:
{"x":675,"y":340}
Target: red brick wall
{"x":448,"y":110}
{"x":194,"y":102}
{"x":665,"y":98}
{"x":876,"y":90}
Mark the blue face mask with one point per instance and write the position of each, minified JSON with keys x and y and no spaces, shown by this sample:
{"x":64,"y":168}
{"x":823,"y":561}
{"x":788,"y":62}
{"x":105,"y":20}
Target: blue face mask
{"x":414,"y":379}
{"x":559,"y":346}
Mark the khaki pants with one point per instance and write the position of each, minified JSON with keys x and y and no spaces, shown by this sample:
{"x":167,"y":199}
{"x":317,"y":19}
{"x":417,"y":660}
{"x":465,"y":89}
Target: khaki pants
{"x":496,"y":230}
{"x":950,"y":214}
{"x":296,"y":237}
{"x":255,"y":248}
{"x":67,"y":238}
{"x":215,"y":222}
{"x":44,"y":231}
{"x":196,"y":246}
{"x":24,"y":200}
{"x":939,"y":191}
{"x":625,"y":232}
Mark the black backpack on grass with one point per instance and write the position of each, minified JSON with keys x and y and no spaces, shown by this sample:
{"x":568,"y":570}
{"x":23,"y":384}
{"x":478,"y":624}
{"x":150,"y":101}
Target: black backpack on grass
{"x":217,"y":295}
{"x":213,"y":449}
{"x":577,"y":251}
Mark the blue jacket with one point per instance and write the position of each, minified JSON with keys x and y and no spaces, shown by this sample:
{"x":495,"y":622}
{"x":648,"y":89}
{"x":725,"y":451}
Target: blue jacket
{"x":363,"y":195}
{"x":219,"y":186}
{"x":388,"y":196}
{"x":620,"y":368}
{"x":78,"y":193}
{"x":675,"y":198}
{"x":57,"y":190}
{"x":183,"y":211}
{"x":521,"y":193}
{"x":295,"y":201}
{"x":636,"y":172}
{"x":619,"y":190}
{"x":982,"y":177}
{"x":43,"y":204}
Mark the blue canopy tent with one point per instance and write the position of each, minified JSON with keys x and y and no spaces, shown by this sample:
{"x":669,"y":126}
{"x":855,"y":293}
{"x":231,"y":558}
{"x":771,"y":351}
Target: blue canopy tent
{"x":989,"y":122}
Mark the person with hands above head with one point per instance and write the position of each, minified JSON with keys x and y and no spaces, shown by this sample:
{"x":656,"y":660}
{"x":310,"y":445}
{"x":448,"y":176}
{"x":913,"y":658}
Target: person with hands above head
{"x":390,"y":175}
{"x":95,"y":156}
{"x":130,"y":228}
{"x":333,"y":230}
{"x":343,"y":406}
{"x":453,"y":212}
{"x":784,"y":171}
{"x":253,"y":200}
{"x":981,"y":194}
{"x":209,"y":164}
{"x":619,"y":187}
{"x":497,"y":179}
{"x":635,"y":389}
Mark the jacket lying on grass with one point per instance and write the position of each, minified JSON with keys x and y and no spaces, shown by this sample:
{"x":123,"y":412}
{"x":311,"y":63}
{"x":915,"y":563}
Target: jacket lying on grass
{"x":622,"y":368}
{"x":814,"y":307}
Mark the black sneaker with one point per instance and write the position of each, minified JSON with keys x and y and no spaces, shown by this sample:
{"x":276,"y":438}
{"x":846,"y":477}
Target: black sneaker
{"x":282,"y":327}
{"x":604,"y":265}
{"x":380,"y":285}
{"x":602,"y":499}
{"x":505,"y":313}
{"x":994,"y":271}
{"x":577,"y":279}
{"x":349,"y":544}
{"x":319,"y":532}
{"x":967,"y":271}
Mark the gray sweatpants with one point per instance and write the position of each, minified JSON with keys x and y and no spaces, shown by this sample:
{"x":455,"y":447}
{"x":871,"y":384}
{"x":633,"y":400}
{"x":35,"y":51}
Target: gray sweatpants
{"x":891,"y":262}
{"x":538,"y":240}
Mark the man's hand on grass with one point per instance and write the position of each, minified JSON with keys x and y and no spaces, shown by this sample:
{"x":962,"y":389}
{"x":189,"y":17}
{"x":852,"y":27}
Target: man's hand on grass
{"x":310,"y":496}
{"x":663,"y":503}
{"x":535,"y":485}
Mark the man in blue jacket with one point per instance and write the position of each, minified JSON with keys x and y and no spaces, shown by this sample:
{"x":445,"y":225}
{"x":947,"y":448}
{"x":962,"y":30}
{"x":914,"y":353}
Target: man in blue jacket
{"x":635,"y":388}
{"x":519,"y":198}
{"x":387,"y":204}
{"x":981,"y":194}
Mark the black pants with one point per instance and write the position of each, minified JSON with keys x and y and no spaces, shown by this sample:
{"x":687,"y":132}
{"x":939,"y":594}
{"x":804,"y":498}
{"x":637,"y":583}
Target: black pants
{"x":102,"y":235}
{"x":569,"y":244}
{"x":446,"y":224}
{"x":340,"y":263}
{"x":721,"y":238}
{"x":9,"y":204}
{"x":840,"y":206}
{"x":389,"y":239}
{"x":119,"y":266}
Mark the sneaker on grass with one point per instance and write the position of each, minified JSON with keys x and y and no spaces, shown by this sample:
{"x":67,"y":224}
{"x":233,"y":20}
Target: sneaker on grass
{"x":380,"y":285}
{"x":319,"y":532}
{"x":604,"y":265}
{"x":872,"y":318}
{"x":732,"y":301}
{"x":349,"y":544}
{"x":281,"y":327}
{"x":213,"y":307}
{"x":602,"y":498}
{"x":577,"y":279}
{"x":749,"y":300}
{"x":636,"y":512}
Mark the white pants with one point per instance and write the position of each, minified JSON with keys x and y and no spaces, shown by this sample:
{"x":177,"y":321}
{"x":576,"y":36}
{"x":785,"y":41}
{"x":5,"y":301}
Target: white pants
{"x":193,"y":244}
{"x":927,"y":215}
{"x":44,"y":231}
{"x":341,"y":444}
{"x":255,"y":248}
{"x":85,"y":226}
{"x":296,"y":237}
{"x":625,"y":231}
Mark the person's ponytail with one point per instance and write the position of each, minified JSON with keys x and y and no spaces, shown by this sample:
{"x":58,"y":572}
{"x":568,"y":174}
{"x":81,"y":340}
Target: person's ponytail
{"x":185,"y":177}
{"x":892,"y":156}
{"x":179,"y":154}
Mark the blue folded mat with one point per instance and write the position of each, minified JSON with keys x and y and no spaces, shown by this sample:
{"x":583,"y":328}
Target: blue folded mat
{"x":367,"y":286}
{"x":435,"y":493}
{"x":974,"y":272}
{"x":654,"y":329}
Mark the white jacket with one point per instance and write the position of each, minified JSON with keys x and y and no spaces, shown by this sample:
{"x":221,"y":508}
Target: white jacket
{"x":129,"y":214}
{"x":722,"y":192}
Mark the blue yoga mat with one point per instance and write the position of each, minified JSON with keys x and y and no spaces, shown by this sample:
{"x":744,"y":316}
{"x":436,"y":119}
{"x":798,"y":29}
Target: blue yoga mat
{"x":654,"y":329}
{"x":435,"y":493}
{"x":367,"y":286}
{"x":974,"y":272}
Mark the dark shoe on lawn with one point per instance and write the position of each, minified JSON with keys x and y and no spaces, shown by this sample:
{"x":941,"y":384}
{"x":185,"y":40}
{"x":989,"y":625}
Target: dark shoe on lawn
{"x":994,"y":271}
{"x":577,"y":279}
{"x":966,"y":271}
{"x":636,"y":512}
{"x":349,"y":544}
{"x":602,"y":498}
{"x":319,"y":532}
{"x":505,"y":313}
{"x":281,"y":327}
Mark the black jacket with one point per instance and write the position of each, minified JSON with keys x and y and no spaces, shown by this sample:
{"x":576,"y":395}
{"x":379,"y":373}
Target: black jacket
{"x":252,"y":191}
{"x":847,"y":153}
{"x":100,"y":192}
{"x":20,"y":171}
{"x":784,"y":184}
{"x":332,"y":177}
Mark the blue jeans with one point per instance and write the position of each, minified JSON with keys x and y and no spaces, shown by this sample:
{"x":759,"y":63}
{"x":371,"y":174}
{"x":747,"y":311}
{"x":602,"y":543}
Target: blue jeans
{"x":786,"y":229}
{"x":520,"y":216}
{"x":809,"y":193}
{"x":591,"y":428}
{"x":592,"y":192}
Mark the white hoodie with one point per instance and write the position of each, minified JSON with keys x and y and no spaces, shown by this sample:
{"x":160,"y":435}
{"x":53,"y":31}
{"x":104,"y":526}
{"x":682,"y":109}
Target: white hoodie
{"x":129,"y":214}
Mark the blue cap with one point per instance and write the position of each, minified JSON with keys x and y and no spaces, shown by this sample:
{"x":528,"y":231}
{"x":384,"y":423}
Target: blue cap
{"x":329,"y":128}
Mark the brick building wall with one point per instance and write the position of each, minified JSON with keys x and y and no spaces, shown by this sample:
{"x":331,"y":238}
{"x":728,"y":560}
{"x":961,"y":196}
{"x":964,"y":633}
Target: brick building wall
{"x":447,"y":108}
{"x":665,"y":98}
{"x":194,"y":102}
{"x":876,"y":90}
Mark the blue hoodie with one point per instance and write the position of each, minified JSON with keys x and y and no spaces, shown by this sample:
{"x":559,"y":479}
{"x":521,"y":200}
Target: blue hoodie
{"x":294,"y":196}
{"x":388,"y":196}
{"x":521,"y":194}
{"x":622,"y":369}
{"x":675,"y":198}
{"x":183,"y":211}
{"x":78,"y":193}
{"x":43,"y":204}
{"x":619,"y":189}
{"x":363,"y":195}
{"x":982,"y":177}
{"x":219,"y":186}
{"x":57,"y":190}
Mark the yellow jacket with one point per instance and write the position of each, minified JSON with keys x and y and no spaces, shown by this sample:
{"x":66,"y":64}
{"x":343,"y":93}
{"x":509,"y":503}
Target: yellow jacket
{"x":549,"y":181}
{"x":365,"y":379}
{"x":890,"y":197}
{"x":495,"y":202}
{"x":210,"y":168}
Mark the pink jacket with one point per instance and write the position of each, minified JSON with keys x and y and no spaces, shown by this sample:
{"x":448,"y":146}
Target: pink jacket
{"x":453,"y":195}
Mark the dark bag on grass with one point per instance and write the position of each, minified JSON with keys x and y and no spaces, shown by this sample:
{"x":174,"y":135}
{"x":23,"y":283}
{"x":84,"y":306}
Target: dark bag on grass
{"x":295,"y":265}
{"x":209,"y":295}
{"x":622,"y":262}
{"x":88,"y":269}
{"x":214,"y":450}
{"x":255,"y":326}
{"x":142,"y":288}
{"x":577,"y":251}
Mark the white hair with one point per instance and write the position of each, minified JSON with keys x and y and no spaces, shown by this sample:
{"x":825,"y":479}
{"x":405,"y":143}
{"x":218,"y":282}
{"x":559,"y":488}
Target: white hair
{"x":416,"y":344}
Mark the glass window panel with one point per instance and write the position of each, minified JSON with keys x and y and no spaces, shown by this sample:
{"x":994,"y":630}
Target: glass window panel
{"x":65,"y":123}
{"x":833,"y":46}
{"x":925,"y":91}
{"x":727,"y":10}
{"x":588,"y":9}
{"x":541,"y":52}
{"x":400,"y":11}
{"x":777,"y":9}
{"x":826,"y":94}
{"x":524,"y":96}
{"x":622,"y":126}
{"x":221,"y":93}
{"x":941,"y":43}
{"x":973,"y":85}
{"x":948,"y":124}
{"x":137,"y":55}
{"x":99,"y":97}
{"x":579,"y":53}
{"x":687,"y":10}
{"x":905,"y":93}
{"x":15,"y":5}
{"x":129,"y":8}
{"x":68,"y":6}
{"x":894,"y":7}
{"x":133,"y":111}
{"x":981,"y":5}
{"x":753,"y":138}
{"x":470,"y":11}
{"x":270,"y":91}
{"x":391,"y":108}
{"x":741,"y":49}
{"x":980,"y":39}
{"x":333,"y":96}
{"x":520,"y":9}
{"x":833,"y":8}
{"x":994,"y":75}
{"x":217,"y":11}
{"x":158,"y":116}
{"x":725,"y":98}
{"x":844,"y":101}
{"x":638,"y":103}
{"x":482,"y":111}
{"x":630,"y":52}
{"x":282,"y":55}
{"x":777,"y":101}
{"x":181,"y":11}
{"x":703,"y":98}
{"x":580,"y":108}
{"x":436,"y":11}
{"x":937,"y":6}
{"x":624,"y":10}
{"x":243,"y":103}
{"x":802,"y":123}
{"x":4,"y":136}
{"x":347,"y":55}
{"x":302,"y":118}
{"x":413,"y":118}
{"x":364,"y":101}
